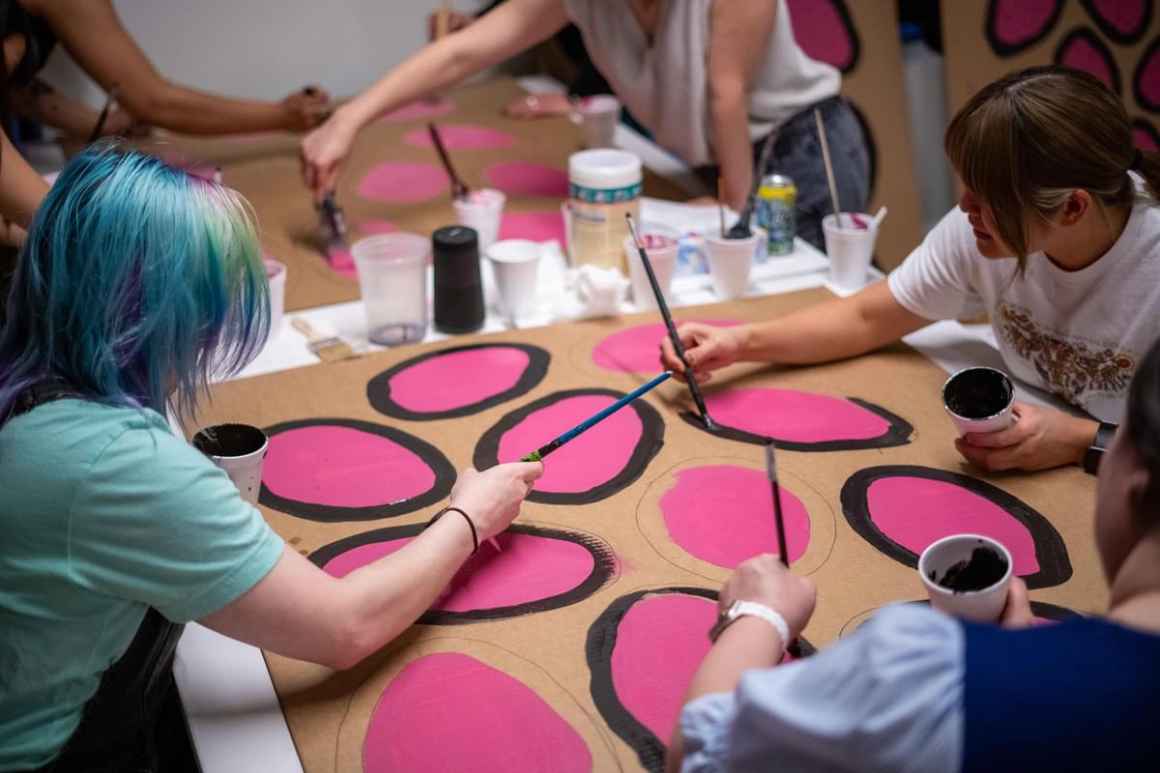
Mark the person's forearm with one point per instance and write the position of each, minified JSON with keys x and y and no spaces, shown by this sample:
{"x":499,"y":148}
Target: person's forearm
{"x":188,"y":111}
{"x":1079,"y":434}
{"x":40,"y":102}
{"x":21,"y":188}
{"x":729,"y":108}
{"x":833,"y":330}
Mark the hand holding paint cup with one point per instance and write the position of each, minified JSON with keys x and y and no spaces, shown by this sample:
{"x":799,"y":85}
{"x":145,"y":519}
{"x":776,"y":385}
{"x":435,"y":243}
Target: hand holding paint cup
{"x":979,"y":400}
{"x":239,"y":449}
{"x":967,"y":576}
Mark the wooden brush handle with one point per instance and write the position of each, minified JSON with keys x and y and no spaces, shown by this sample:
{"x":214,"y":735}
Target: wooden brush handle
{"x":306,"y":329}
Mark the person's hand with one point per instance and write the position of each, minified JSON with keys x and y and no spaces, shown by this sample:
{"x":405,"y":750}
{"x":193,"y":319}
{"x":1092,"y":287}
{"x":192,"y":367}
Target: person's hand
{"x":492,"y":498}
{"x":1017,"y":613}
{"x":707,"y":348}
{"x":121,"y":123}
{"x":455,"y":22}
{"x":306,"y":108}
{"x":764,"y":580}
{"x":322,"y":153}
{"x":539,"y":105}
{"x":1040,"y":438}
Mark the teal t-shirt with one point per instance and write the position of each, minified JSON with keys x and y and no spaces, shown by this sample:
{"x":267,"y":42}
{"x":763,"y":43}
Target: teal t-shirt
{"x":103,"y":513}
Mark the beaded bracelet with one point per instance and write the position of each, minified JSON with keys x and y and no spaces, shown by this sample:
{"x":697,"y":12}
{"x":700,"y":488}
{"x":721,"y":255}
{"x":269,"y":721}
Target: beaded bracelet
{"x":466,"y":517}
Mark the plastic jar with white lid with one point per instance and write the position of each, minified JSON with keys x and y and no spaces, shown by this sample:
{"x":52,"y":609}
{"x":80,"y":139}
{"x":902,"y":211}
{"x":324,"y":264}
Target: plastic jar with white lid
{"x":604,"y":184}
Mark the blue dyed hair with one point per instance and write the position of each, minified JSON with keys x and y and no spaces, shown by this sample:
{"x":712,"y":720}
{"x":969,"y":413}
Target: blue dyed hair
{"x":138,"y":282}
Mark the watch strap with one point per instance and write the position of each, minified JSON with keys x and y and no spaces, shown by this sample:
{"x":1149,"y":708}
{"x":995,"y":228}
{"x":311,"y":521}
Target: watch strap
{"x":740,"y":609}
{"x":1095,"y":453}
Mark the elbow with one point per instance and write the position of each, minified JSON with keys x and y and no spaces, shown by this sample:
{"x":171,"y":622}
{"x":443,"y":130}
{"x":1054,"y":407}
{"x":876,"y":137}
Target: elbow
{"x":157,"y":107}
{"x":349,"y":645}
{"x":727,"y":93}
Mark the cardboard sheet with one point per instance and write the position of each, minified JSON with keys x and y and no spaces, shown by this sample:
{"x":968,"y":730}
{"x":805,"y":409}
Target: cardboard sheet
{"x":570,"y":636}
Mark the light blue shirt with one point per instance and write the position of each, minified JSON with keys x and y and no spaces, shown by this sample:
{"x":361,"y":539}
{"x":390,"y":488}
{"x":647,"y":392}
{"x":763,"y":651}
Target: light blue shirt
{"x":104,"y":513}
{"x":886,"y":698}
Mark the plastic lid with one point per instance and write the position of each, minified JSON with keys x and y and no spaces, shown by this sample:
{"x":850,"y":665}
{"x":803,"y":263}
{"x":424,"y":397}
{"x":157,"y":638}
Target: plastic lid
{"x":604,"y":168}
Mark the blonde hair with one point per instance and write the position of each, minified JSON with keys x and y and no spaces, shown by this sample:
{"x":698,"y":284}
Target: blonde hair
{"x":1024,"y":143}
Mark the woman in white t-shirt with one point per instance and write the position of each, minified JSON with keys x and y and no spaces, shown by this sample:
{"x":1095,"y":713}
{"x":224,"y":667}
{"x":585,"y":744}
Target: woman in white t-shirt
{"x":710,"y":79}
{"x":1056,"y":237}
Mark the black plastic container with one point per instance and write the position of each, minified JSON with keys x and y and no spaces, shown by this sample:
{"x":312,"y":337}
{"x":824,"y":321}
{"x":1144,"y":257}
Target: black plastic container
{"x":458,"y":285}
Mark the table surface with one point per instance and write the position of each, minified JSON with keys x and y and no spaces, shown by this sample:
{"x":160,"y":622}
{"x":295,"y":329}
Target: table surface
{"x":234,"y":716}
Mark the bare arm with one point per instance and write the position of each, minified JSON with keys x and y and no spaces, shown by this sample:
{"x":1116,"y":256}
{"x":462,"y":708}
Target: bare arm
{"x":833,"y":330}
{"x":21,"y":188}
{"x":738,"y":44}
{"x":94,"y":36}
{"x":511,"y":28}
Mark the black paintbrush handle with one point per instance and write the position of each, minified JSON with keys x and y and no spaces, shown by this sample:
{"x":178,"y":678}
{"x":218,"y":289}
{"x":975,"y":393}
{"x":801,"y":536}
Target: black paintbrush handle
{"x":458,"y":188}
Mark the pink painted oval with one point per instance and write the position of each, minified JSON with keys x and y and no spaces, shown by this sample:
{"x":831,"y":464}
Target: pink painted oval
{"x":723,"y":514}
{"x":1013,"y":25}
{"x":341,"y":469}
{"x":637,"y":349}
{"x":340,"y":259}
{"x":536,"y":226}
{"x":451,"y":712}
{"x":399,"y":182}
{"x":795,"y":417}
{"x":525,"y":178}
{"x":1146,"y":80}
{"x":423,"y":109}
{"x":461,"y":137}
{"x":536,"y":569}
{"x":457,"y":382}
{"x":823,"y":30}
{"x":1082,"y":50}
{"x":901,"y":510}
{"x":1122,"y":20}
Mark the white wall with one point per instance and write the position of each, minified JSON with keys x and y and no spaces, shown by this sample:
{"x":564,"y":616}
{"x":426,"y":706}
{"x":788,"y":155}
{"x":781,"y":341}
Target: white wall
{"x":264,"y":49}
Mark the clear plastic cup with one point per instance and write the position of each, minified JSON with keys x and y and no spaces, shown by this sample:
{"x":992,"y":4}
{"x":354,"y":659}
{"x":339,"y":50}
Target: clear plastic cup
{"x":483,"y":211}
{"x":661,"y":245}
{"x":850,"y":249}
{"x":239,"y":449}
{"x":984,"y":605}
{"x":276,"y":277}
{"x":392,"y":277}
{"x":597,"y":116}
{"x":516,"y":263}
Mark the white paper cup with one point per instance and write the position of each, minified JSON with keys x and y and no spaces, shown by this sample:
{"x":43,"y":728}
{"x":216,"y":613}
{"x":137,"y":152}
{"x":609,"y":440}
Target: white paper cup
{"x":483,"y":211}
{"x":597,"y":116}
{"x":239,"y":449}
{"x":979,"y":385}
{"x":982,"y":606}
{"x":276,"y":277}
{"x":850,"y":250}
{"x":516,"y":263}
{"x":662,"y":247}
{"x":731,"y":261}
{"x":392,"y":278}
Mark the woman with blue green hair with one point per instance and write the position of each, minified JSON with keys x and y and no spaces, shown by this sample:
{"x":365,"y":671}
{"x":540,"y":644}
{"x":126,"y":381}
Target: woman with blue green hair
{"x":137,"y":283}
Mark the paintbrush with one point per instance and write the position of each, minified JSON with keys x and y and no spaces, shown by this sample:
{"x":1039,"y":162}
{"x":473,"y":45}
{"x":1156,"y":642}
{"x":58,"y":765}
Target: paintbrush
{"x":443,"y":19}
{"x":333,"y":224}
{"x":829,"y":168}
{"x":459,"y":189}
{"x":668,"y":318}
{"x":326,"y":348}
{"x":740,"y":229}
{"x":721,"y":208}
{"x":541,"y":452}
{"x":103,"y":118}
{"x":793,"y":648}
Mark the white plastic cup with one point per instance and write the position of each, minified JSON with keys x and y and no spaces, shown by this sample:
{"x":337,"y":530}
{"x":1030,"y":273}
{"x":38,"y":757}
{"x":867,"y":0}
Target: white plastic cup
{"x":276,"y":277}
{"x":662,"y":246}
{"x":981,"y":606}
{"x":392,"y":278}
{"x":483,"y":211}
{"x":731,"y":261}
{"x":850,"y":249}
{"x":239,"y":449}
{"x":516,"y":263}
{"x":979,"y":383}
{"x":597,"y":116}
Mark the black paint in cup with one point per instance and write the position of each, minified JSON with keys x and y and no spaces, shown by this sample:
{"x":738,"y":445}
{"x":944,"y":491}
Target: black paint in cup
{"x":978,"y":393}
{"x":229,"y":440}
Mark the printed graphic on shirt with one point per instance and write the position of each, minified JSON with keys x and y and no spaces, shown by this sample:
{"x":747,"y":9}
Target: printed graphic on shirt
{"x":1070,"y":367}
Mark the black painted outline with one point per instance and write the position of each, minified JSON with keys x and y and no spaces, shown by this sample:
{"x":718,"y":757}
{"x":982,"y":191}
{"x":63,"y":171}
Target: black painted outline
{"x":897,"y":435}
{"x":1050,"y":550}
{"x":1087,"y":36}
{"x":871,"y":146}
{"x":652,"y":438}
{"x":603,"y":569}
{"x":1011,"y":49}
{"x":429,"y":454}
{"x":379,"y":387}
{"x":1137,"y":92}
{"x":1111,"y":31}
{"x":598,"y":648}
{"x":1146,"y":126}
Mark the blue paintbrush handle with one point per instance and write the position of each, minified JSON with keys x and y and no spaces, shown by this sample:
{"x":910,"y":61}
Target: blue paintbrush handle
{"x":595,"y":419}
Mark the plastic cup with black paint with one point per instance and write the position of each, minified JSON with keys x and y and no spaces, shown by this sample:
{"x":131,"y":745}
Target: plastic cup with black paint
{"x":979,"y":400}
{"x":392,"y":278}
{"x":239,"y":449}
{"x":967,"y":576}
